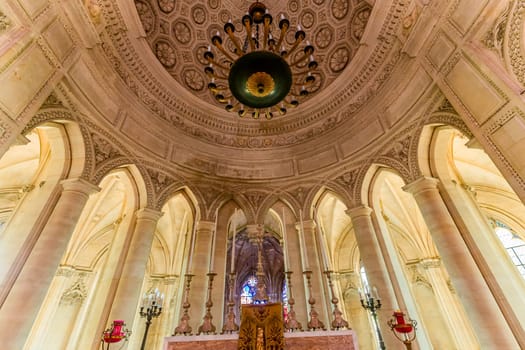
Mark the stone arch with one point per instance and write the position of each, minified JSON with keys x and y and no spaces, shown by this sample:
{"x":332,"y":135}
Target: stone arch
{"x":74,"y":137}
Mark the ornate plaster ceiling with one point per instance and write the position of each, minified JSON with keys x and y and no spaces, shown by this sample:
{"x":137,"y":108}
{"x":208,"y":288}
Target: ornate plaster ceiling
{"x":356,"y":112}
{"x":179,"y":33}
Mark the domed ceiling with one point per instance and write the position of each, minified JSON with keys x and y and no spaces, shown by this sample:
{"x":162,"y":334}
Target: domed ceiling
{"x":365,"y":87}
{"x":179,"y":33}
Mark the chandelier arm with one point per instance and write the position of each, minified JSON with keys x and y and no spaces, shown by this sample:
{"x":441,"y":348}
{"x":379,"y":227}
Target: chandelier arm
{"x":294,"y":46}
{"x":223,"y":99}
{"x":218,"y":89}
{"x":266,"y":32}
{"x":284,"y":29}
{"x":249,"y":38}
{"x":212,"y":61}
{"x":224,"y":52}
{"x":290,"y":103}
{"x":303,"y":84}
{"x":301,"y":59}
{"x":235,"y":42}
{"x":219,"y":77}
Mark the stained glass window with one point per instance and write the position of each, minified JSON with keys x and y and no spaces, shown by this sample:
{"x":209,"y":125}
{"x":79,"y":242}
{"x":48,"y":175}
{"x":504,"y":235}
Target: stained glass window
{"x":514,"y":245}
{"x":248,"y":290}
{"x":285,"y":302}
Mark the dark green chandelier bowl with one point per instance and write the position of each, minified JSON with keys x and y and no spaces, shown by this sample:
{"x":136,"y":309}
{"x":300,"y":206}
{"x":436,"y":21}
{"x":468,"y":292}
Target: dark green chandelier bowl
{"x":260,"y":79}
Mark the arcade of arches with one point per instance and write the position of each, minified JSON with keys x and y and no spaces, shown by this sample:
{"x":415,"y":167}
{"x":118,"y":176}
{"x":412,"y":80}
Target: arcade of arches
{"x":119,"y":173}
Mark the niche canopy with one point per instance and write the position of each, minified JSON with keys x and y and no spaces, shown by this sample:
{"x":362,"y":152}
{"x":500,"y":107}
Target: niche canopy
{"x":258,"y":74}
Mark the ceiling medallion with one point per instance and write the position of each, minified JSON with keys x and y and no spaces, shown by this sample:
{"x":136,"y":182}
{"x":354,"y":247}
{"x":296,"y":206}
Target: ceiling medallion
{"x":259,"y":75}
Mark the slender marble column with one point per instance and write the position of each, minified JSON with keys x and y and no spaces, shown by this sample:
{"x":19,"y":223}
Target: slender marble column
{"x":23,"y":302}
{"x":375,"y":268}
{"x":487,"y":320}
{"x":200,"y":265}
{"x":129,"y":286}
{"x":314,"y":260}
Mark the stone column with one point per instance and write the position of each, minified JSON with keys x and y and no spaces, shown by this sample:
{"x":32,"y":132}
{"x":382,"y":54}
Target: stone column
{"x":315,"y":265}
{"x":452,"y":310}
{"x":375,"y":267}
{"x":23,"y":302}
{"x":200,"y":265}
{"x":487,"y":320}
{"x":131,"y":279}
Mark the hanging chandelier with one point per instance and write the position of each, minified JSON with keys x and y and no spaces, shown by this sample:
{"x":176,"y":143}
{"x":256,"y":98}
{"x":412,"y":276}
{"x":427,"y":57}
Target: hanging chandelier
{"x":258,"y":75}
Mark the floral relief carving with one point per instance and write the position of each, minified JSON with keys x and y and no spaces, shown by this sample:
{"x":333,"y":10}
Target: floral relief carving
{"x":199,"y":15}
{"x":495,"y":37}
{"x":52,"y":101}
{"x":255,"y":198}
{"x":182,"y":32}
{"x":293,"y":5}
{"x":339,"y":59}
{"x":214,"y":4}
{"x":339,"y":8}
{"x":165,"y":53}
{"x":166,"y":5}
{"x":410,"y":19}
{"x":104,"y":150}
{"x":308,"y":19}
{"x":359,"y":22}
{"x":515,"y":41}
{"x":146,"y":15}
{"x":324,"y":37}
{"x":418,"y":277}
{"x":76,"y":293}
{"x":209,"y":194}
{"x":5,"y":22}
{"x":348,"y":179}
{"x":160,"y":180}
{"x":400,"y":149}
{"x":194,"y":79}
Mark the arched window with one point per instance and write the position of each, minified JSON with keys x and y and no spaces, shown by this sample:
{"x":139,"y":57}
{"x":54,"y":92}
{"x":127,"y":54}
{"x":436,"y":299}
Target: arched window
{"x":514,"y":245}
{"x":248,"y":290}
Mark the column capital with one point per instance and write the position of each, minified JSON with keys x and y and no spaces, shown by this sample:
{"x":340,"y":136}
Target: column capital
{"x":79,"y":185}
{"x":148,"y":213}
{"x":308,"y":225}
{"x":362,"y":210}
{"x":422,"y":184}
{"x":203,"y":225}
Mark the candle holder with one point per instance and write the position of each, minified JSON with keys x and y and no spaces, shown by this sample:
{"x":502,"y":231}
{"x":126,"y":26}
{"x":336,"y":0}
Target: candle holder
{"x":184,"y":326}
{"x":291,"y":323}
{"x":116,"y":333}
{"x":207,"y":326}
{"x":403,"y":329}
{"x":373,"y":304}
{"x":314,"y":322}
{"x":338,"y":322}
{"x":230,"y":326}
{"x":151,"y":308}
